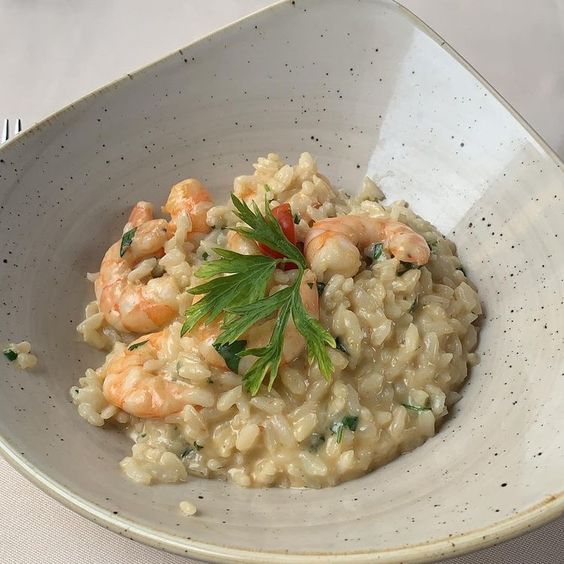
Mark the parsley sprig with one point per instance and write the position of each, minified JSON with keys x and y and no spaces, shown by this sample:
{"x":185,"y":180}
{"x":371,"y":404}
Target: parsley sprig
{"x":237,"y":288}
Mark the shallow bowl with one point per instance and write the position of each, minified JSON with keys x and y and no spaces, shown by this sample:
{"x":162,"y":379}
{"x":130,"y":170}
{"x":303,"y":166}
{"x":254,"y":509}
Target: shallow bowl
{"x":369,"y":90}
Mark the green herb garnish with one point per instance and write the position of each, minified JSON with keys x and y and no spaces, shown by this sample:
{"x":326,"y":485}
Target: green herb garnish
{"x":230,"y":353}
{"x":296,"y":219}
{"x":126,"y":241}
{"x":10,"y":354}
{"x":320,"y":287}
{"x":241,"y":296}
{"x":377,"y":251}
{"x":205,"y":255}
{"x":186,"y":452}
{"x":137,"y":345}
{"x":348,"y":421}
{"x":339,"y":345}
{"x":416,"y":407}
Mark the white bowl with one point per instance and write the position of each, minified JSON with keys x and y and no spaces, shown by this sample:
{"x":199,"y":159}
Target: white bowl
{"x":370,"y":90}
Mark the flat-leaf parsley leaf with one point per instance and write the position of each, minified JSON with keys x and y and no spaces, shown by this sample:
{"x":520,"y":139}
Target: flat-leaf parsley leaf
{"x":237,"y":289}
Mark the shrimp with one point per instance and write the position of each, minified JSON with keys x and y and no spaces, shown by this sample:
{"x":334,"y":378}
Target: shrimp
{"x":332,"y":244}
{"x":141,"y":213}
{"x":132,"y":305}
{"x":137,"y":382}
{"x":127,"y":303}
{"x":192,"y":198}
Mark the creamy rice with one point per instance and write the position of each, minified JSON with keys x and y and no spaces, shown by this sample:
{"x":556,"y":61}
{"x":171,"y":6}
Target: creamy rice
{"x":405,"y":339}
{"x":20,"y":354}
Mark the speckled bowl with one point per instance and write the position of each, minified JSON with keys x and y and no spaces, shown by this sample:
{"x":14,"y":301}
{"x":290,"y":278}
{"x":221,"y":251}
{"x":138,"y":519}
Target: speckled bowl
{"x":369,"y":90}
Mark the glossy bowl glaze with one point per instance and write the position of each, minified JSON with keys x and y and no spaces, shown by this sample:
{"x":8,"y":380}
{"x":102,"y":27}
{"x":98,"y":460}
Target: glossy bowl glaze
{"x":369,"y":90}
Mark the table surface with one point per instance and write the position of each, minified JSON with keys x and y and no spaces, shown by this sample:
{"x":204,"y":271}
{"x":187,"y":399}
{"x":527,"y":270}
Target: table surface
{"x":57,"y":51}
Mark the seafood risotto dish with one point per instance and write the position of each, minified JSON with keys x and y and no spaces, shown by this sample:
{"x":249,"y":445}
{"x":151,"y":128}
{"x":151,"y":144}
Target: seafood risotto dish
{"x":291,"y":336}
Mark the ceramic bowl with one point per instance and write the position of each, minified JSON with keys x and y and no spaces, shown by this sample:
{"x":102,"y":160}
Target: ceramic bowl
{"x":369,"y":90}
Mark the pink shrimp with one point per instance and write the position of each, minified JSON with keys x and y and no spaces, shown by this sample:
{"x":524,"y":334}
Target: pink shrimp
{"x":136,"y":381}
{"x":127,"y":302}
{"x":332,"y":245}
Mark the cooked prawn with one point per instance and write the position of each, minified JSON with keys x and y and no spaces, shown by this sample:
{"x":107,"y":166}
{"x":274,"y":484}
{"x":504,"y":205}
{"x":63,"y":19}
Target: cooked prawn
{"x":141,"y":213}
{"x":132,"y":305}
{"x":136,"y":381}
{"x":332,"y":244}
{"x":192,"y":198}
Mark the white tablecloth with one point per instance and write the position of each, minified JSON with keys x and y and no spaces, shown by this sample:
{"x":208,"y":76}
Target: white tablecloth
{"x":54,"y":52}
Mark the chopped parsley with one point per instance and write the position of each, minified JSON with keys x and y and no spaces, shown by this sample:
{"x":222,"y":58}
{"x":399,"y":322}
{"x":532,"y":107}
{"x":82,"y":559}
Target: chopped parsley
{"x":416,"y":407}
{"x":348,"y":421}
{"x":296,"y":219}
{"x":137,"y":345}
{"x":126,"y":241}
{"x":339,"y":345}
{"x":377,"y":251}
{"x":230,"y":353}
{"x":320,"y":288}
{"x":205,"y":255}
{"x":10,"y":354}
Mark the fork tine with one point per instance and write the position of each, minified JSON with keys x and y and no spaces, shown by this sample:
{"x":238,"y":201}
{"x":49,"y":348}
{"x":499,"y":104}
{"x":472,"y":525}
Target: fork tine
{"x":18,"y":126}
{"x":5,"y":131}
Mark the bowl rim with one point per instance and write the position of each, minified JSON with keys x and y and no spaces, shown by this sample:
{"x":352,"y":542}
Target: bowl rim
{"x":551,"y":507}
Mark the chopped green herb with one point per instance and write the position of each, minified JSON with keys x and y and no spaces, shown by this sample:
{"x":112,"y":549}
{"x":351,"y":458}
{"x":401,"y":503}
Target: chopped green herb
{"x":348,"y":421}
{"x":320,"y":288}
{"x":137,"y":345}
{"x":205,"y":255}
{"x":416,"y":407}
{"x":296,"y":219}
{"x":339,"y":345}
{"x":10,"y":354}
{"x":267,"y":188}
{"x":230,"y":353}
{"x":377,"y":252}
{"x":186,"y":452}
{"x":197,"y":446}
{"x":337,"y":429}
{"x":126,"y":241}
{"x":316,"y":440}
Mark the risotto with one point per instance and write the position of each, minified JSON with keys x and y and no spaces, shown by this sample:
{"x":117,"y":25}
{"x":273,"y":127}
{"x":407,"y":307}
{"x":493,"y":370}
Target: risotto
{"x":292,"y":336}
